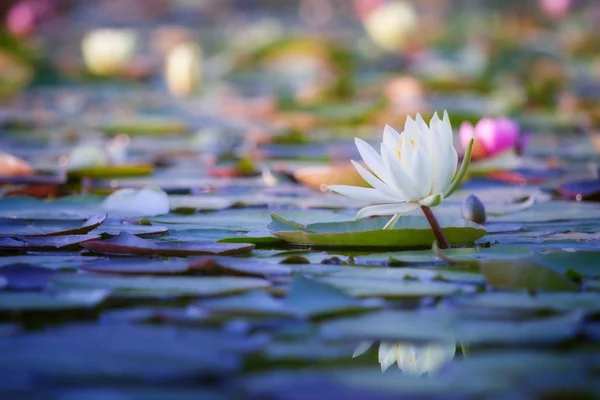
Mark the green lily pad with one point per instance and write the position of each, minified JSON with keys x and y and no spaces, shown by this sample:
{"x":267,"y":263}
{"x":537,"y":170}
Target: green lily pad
{"x":146,"y":127}
{"x":112,"y":171}
{"x":525,"y":274}
{"x":409,"y":232}
{"x":429,"y":257}
{"x":583,"y":262}
{"x":258,"y":237}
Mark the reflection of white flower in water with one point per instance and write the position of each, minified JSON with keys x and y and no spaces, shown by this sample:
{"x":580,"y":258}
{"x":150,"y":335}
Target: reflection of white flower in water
{"x":412,"y":359}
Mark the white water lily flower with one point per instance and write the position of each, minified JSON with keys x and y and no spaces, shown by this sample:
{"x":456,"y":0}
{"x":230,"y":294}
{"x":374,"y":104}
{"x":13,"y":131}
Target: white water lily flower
{"x":147,"y":202}
{"x":415,"y":168}
{"x":412,"y":359}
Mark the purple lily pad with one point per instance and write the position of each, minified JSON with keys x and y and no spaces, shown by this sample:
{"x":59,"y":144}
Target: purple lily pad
{"x":137,"y":230}
{"x":127,"y":243}
{"x":46,"y":228}
{"x":237,"y":266}
{"x":137,"y":267}
{"x":581,"y":190}
{"x":26,"y":277}
{"x":24,"y":243}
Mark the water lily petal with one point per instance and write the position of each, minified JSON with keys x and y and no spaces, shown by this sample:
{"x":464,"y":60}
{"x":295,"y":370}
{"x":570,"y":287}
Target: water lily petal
{"x":430,"y":358}
{"x":446,"y":128}
{"x":421,"y":123}
{"x":452,"y":166}
{"x":407,"y":154}
{"x":375,"y":182}
{"x":407,"y":360}
{"x":362,"y":348}
{"x":461,"y":173}
{"x":361,"y":193}
{"x":371,"y":158}
{"x":391,"y":137}
{"x":421,"y":173}
{"x":399,"y":179}
{"x":386,"y":209}
{"x":387,"y":355}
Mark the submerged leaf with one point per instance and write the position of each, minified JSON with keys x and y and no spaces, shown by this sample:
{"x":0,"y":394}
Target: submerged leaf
{"x":525,"y":274}
{"x":126,"y":243}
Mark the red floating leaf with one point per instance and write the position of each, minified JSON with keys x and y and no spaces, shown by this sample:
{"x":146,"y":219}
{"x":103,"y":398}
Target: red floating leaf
{"x":127,"y":243}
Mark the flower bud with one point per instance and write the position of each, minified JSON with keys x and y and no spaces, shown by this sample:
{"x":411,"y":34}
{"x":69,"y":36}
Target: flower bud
{"x":492,"y":136}
{"x":473,"y":210}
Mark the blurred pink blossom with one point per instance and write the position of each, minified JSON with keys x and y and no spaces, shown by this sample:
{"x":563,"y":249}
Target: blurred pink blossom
{"x":555,"y":8}
{"x":25,"y":15}
{"x":365,"y":7}
{"x":491,"y":136}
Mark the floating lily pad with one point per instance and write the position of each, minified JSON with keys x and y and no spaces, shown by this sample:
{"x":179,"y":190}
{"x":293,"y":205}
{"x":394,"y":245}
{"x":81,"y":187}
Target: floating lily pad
{"x":146,"y":127}
{"x":420,"y":326}
{"x":408,"y":232}
{"x":137,"y":267}
{"x":160,"y":286}
{"x":249,"y":304}
{"x":27,"y":227}
{"x":553,"y":211}
{"x":406,"y":289}
{"x":556,"y":302}
{"x":583,"y":189}
{"x":126,"y":243}
{"x":44,"y":242}
{"x":525,"y":274}
{"x":114,"y":229}
{"x":237,"y":266}
{"x":199,"y":203}
{"x":402,"y":274}
{"x":112,"y":171}
{"x":52,"y":300}
{"x":55,"y":262}
{"x":89,"y":354}
{"x":260,"y":237}
{"x":310,"y":298}
{"x":429,"y":257}
{"x":585,"y":263}
{"x":26,"y":277}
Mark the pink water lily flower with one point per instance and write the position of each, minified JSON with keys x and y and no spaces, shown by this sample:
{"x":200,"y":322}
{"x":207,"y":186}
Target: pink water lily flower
{"x":492,"y":136}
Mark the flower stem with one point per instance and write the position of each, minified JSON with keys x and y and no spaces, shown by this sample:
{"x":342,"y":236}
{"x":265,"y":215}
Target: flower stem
{"x":392,"y":222}
{"x":435,"y":226}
